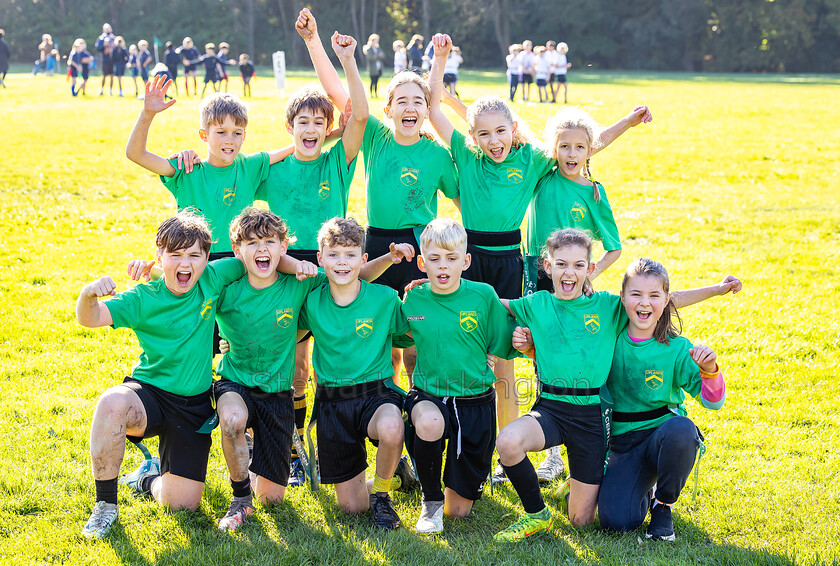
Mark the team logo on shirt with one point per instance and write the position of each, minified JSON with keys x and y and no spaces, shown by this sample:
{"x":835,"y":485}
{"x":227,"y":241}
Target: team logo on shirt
{"x":409,"y":176}
{"x":364,"y":327}
{"x":284,"y":317}
{"x":229,"y":195}
{"x":592,"y":323}
{"x":207,"y":309}
{"x":514,"y":175}
{"x":653,"y":378}
{"x":578,"y":211}
{"x":324,"y":189}
{"x":469,"y":320}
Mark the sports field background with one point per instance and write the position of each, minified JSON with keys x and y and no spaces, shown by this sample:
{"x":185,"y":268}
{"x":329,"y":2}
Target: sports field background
{"x":736,"y":174}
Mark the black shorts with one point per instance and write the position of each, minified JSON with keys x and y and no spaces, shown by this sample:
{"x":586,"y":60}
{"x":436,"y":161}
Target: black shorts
{"x":580,"y":428}
{"x":176,"y":420}
{"x":503,"y":269}
{"x":560,"y":78}
{"x":470,"y":428}
{"x":210,"y":78}
{"x":272,"y":417}
{"x":189,"y":69}
{"x":527,"y":79}
{"x":378,"y":241}
{"x":514,"y":79}
{"x":119,"y":70}
{"x":107,"y":66}
{"x":343,"y":416}
{"x":304,"y":255}
{"x":74,"y":72}
{"x":450,"y":78}
{"x":144,"y":74}
{"x":541,"y":82}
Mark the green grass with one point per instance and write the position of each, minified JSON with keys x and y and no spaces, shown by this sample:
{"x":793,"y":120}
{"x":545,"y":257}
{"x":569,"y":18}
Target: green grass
{"x":737,"y":174}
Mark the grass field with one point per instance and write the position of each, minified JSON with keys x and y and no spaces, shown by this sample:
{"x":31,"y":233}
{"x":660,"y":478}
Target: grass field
{"x":737,"y":174}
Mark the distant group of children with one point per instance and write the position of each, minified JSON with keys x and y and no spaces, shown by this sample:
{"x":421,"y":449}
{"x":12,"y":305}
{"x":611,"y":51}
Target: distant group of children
{"x":421,"y":61}
{"x":253,"y":272}
{"x":138,"y":61}
{"x":546,"y":65}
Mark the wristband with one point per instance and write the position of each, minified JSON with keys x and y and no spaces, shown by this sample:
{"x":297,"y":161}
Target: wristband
{"x":712,"y":375}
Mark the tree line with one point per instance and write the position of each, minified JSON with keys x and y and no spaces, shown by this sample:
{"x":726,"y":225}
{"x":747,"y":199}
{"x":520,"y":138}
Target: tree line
{"x":687,"y":35}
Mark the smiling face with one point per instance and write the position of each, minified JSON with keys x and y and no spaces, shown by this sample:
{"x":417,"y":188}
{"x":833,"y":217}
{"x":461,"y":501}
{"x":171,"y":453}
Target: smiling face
{"x":261,"y":256}
{"x":309,"y":129}
{"x":644,"y":298}
{"x":407,"y":109}
{"x":182,"y":268}
{"x":444,"y":267}
{"x":223,"y":141}
{"x":342,"y":264}
{"x":569,"y":266}
{"x":572,"y":149}
{"x":493,"y":132}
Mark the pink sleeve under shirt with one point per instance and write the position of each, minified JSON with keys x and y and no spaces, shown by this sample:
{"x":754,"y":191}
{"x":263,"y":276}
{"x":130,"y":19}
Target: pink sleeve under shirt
{"x":713,"y":389}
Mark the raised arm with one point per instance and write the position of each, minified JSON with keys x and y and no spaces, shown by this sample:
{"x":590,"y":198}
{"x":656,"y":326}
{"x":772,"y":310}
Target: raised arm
{"x":354,"y":132}
{"x":308,"y":30}
{"x":90,"y":311}
{"x":135,"y":150}
{"x":609,"y":258}
{"x":441,"y":123}
{"x":639,"y":115}
{"x":455,"y":104}
{"x":691,"y":296}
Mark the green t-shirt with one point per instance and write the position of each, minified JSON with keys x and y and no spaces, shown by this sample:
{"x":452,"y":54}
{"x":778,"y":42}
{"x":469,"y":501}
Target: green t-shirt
{"x":453,"y":334}
{"x":647,"y":375}
{"x":175,"y":331}
{"x":220,"y":193}
{"x":353,"y":342}
{"x":495,"y":196}
{"x":308,"y":193}
{"x":562,"y":203}
{"x":574,"y":339}
{"x":261,"y":326}
{"x":403,"y":180}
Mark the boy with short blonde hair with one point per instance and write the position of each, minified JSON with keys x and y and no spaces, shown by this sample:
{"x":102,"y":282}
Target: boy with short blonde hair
{"x":455,"y":324}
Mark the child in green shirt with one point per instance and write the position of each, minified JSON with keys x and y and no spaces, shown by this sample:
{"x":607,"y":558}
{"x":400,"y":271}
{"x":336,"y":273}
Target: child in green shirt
{"x":224,"y":184}
{"x":653,"y":442}
{"x":353,"y":323}
{"x":168,"y":393}
{"x":455,"y":323}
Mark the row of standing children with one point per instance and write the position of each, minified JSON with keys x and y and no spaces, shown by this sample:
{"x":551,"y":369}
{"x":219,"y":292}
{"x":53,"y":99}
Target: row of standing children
{"x":547,"y":65}
{"x":404,"y":170}
{"x":215,"y":66}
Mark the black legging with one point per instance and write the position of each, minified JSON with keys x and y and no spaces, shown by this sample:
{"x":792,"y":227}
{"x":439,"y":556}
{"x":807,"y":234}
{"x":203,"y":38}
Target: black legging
{"x":374,"y":84}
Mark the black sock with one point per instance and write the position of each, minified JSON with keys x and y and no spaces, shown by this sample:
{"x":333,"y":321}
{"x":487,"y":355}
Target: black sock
{"x":428,"y":457}
{"x":146,"y":483}
{"x":241,"y":488}
{"x":300,"y":419}
{"x":106,"y":490}
{"x":523,"y":477}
